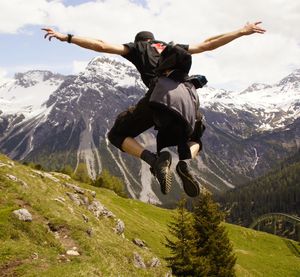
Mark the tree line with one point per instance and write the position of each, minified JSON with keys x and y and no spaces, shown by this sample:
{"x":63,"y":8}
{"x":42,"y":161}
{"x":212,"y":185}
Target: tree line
{"x":276,"y":192}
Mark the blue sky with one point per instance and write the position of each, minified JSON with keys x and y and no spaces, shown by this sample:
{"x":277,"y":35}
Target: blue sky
{"x":257,"y":58}
{"x":23,"y":51}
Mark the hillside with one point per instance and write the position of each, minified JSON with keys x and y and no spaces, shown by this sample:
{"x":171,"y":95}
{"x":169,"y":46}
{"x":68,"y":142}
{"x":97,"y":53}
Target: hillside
{"x":67,"y":217}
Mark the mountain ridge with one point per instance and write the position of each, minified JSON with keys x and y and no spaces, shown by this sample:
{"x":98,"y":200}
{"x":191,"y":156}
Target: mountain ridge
{"x":69,"y":124}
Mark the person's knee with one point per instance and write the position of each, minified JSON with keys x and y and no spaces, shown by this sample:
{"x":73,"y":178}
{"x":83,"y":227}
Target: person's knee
{"x":198,"y":132}
{"x":184,"y":151}
{"x":115,"y":139}
{"x":111,"y":137}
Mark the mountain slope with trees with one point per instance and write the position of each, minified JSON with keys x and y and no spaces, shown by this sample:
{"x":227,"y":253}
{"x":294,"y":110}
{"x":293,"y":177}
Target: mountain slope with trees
{"x":63,"y":121}
{"x":276,"y":192}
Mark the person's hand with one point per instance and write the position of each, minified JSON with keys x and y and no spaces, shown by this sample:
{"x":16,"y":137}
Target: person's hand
{"x":50,"y":33}
{"x":251,"y":28}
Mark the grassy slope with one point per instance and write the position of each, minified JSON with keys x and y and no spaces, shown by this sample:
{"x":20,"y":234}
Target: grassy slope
{"x":31,"y":249}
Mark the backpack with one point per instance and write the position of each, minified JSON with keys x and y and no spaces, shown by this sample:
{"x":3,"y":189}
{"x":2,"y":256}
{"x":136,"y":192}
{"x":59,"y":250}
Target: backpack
{"x":174,"y":99}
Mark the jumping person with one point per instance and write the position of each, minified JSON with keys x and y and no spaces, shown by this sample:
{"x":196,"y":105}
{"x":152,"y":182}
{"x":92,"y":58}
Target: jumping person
{"x":175,"y":105}
{"x":144,"y":53}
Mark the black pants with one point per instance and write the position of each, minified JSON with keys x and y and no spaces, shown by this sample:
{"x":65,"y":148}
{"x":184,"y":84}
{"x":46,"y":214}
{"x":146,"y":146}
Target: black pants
{"x":173,"y":131}
{"x":132,"y":122}
{"x":139,"y":118}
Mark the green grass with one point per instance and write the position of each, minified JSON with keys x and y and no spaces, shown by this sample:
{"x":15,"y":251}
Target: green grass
{"x":31,"y":249}
{"x":262,"y":254}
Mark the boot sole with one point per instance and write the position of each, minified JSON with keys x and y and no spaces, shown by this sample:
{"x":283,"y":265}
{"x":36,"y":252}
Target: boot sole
{"x":190,"y":188}
{"x":166,"y":177}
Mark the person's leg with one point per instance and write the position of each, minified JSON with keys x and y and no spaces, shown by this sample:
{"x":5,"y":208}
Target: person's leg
{"x":132,"y":147}
{"x":162,"y":171}
{"x":194,"y":148}
{"x":130,"y":124}
{"x":188,"y":151}
{"x":163,"y":168}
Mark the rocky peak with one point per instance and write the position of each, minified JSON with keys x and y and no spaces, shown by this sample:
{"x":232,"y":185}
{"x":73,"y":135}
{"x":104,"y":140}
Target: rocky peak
{"x":256,"y":87}
{"x":110,"y":70}
{"x":293,"y":78}
{"x":33,"y":77}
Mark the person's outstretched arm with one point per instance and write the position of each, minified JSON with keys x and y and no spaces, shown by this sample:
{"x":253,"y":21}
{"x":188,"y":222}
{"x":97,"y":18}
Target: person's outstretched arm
{"x":88,"y":43}
{"x":220,"y":40}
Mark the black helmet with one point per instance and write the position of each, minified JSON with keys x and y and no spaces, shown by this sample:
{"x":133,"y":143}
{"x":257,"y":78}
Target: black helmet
{"x":143,"y":35}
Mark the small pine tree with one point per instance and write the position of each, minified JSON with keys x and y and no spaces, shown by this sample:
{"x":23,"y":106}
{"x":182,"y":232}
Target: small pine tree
{"x":67,"y":169}
{"x":34,"y":165}
{"x":106,"y":180}
{"x":81,"y":173}
{"x":200,"y":246}
{"x":211,"y":241}
{"x":181,"y":243}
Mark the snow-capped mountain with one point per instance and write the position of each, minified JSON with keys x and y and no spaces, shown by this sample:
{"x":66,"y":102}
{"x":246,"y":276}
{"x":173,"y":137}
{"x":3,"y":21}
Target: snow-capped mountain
{"x":271,"y":106}
{"x":56,"y":120}
{"x":27,"y":93}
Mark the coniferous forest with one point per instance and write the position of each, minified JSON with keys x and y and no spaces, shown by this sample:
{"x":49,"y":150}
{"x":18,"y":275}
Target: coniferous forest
{"x":276,"y":192}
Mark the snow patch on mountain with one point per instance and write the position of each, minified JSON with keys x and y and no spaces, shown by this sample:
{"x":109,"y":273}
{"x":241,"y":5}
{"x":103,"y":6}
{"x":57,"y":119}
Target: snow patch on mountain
{"x":28,"y":92}
{"x":274,"y":106}
{"x":256,"y":158}
{"x":126,"y":180}
{"x":88,"y":152}
{"x":202,"y":167}
{"x":117,"y":73}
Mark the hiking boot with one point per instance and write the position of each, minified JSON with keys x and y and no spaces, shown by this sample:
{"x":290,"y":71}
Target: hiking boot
{"x":161,"y":170}
{"x":190,"y":184}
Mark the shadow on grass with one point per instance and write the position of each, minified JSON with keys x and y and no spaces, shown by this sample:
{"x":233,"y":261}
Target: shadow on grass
{"x":293,"y":248}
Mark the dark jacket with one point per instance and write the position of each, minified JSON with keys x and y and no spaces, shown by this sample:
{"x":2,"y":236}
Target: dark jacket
{"x":174,"y":99}
{"x":178,"y":98}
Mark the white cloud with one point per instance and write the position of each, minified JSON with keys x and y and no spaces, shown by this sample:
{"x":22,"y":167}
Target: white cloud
{"x":3,"y":76}
{"x":264,"y":59}
{"x":15,"y":14}
{"x":255,"y":58}
{"x":61,"y":68}
{"x":79,"y":66}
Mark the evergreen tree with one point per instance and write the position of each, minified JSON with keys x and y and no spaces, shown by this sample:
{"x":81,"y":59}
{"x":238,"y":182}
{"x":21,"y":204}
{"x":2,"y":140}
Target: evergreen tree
{"x":67,"y":169}
{"x":81,"y":173}
{"x":180,"y":244}
{"x":106,"y":180}
{"x":200,"y":246}
{"x":211,"y":241}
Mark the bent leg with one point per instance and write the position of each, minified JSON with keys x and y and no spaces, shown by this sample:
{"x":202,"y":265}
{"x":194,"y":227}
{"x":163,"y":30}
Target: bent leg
{"x":194,"y":148}
{"x":132,"y":147}
{"x":130,"y":124}
{"x":195,"y":144}
{"x":187,"y":152}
